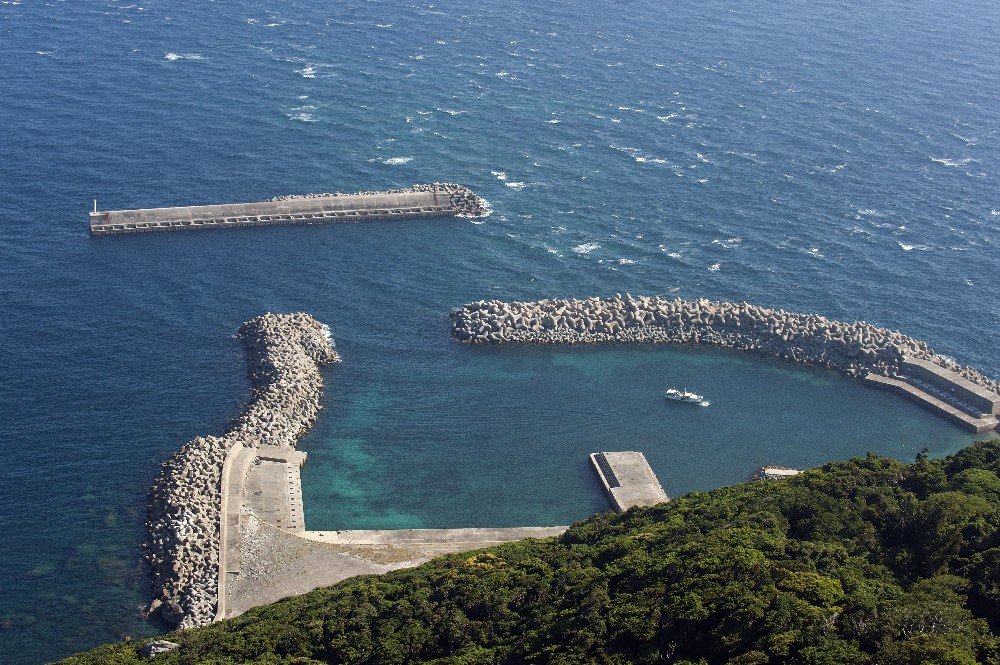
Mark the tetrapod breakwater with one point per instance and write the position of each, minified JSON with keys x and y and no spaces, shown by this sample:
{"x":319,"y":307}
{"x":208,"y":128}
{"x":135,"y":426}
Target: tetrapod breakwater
{"x":285,"y":352}
{"x":416,"y":202}
{"x":857,"y":349}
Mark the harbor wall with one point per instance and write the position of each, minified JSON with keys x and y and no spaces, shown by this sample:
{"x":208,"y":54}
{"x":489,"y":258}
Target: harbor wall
{"x":970,"y":422}
{"x":184,"y":548}
{"x":419,"y":201}
{"x":984,"y":401}
{"x":854,"y":349}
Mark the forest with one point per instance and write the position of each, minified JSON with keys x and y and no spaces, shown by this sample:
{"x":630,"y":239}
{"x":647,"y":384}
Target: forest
{"x":864,"y":561}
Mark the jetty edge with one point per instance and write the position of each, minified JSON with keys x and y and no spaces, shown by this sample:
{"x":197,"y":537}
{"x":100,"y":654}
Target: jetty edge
{"x":437,"y":199}
{"x":627,"y":479}
{"x":184,"y":505}
{"x":879,"y":356}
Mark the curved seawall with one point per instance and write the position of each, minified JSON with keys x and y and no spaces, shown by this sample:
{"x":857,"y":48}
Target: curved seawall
{"x":284,"y":352}
{"x":855,"y":348}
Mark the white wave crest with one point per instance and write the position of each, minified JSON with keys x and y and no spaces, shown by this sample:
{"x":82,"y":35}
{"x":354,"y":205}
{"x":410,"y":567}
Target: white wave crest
{"x":499,"y":175}
{"x":586,"y":248}
{"x":396,"y":161}
{"x":183,"y":56}
{"x":479,"y":219}
{"x":516,"y":185}
{"x":954,"y":163}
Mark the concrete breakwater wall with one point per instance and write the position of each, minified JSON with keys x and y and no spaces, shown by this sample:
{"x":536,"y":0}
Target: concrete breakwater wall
{"x":417,"y":202}
{"x":284,"y":352}
{"x":854,"y":349}
{"x":466,"y":202}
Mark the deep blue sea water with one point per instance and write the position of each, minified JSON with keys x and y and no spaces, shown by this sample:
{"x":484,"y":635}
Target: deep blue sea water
{"x":837,"y":157}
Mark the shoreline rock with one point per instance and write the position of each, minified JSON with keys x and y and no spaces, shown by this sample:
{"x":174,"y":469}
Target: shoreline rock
{"x":850,"y":348}
{"x":284,"y":352}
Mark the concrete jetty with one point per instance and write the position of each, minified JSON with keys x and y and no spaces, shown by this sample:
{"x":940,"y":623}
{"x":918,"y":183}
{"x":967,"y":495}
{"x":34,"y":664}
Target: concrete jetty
{"x":934,"y":402}
{"x":952,"y":386}
{"x":628,"y":479}
{"x":195,"y":503}
{"x":879,"y":356}
{"x":419,"y":201}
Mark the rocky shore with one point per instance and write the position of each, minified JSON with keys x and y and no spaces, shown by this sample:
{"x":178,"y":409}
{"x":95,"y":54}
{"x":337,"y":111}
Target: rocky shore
{"x":285,"y":352}
{"x":468,"y":203}
{"x":851,"y":348}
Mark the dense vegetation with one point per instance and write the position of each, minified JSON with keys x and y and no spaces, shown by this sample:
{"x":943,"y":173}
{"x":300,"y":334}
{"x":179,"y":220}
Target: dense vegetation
{"x":865,"y":561}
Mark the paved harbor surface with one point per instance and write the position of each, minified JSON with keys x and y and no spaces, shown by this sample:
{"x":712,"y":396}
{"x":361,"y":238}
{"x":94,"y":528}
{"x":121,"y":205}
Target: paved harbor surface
{"x":628,"y":479}
{"x":274,"y":487}
{"x":443,"y":540}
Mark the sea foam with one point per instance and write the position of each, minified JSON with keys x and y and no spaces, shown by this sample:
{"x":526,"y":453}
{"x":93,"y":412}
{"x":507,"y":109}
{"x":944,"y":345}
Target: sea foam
{"x":183,"y":56}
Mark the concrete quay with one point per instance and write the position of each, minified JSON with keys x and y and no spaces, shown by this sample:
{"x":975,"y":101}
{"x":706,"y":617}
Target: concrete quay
{"x":195,"y":504}
{"x":419,"y":201}
{"x":274,"y":487}
{"x":450,"y":540}
{"x":957,"y":388}
{"x":901,"y":386}
{"x":628,"y":479}
{"x":278,"y":557}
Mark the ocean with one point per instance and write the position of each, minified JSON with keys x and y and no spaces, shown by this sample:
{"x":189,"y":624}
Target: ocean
{"x":839,"y":158}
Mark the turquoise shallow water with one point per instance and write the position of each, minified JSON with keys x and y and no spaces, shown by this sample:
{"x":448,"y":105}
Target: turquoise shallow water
{"x":839,"y":159}
{"x":503,"y":436}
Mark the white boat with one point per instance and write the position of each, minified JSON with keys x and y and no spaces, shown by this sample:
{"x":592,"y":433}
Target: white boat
{"x":684,"y":396}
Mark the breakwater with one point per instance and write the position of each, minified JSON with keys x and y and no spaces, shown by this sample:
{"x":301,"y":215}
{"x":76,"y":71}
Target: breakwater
{"x":284,"y":352}
{"x":855,"y":349}
{"x":419,"y":201}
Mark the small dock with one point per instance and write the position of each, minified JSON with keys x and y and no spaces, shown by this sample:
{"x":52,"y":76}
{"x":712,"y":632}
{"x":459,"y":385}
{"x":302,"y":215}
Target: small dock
{"x":772,"y":472}
{"x":628,"y":479}
{"x":952,"y":386}
{"x":423,"y":201}
{"x":943,"y":392}
{"x":978,"y":423}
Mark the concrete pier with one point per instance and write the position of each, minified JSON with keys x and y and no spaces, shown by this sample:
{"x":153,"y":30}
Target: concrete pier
{"x":420,"y":201}
{"x":952,"y":386}
{"x":628,"y":479}
{"x":918,"y":394}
